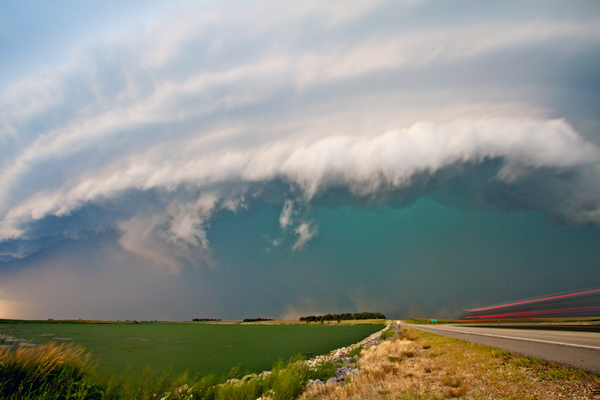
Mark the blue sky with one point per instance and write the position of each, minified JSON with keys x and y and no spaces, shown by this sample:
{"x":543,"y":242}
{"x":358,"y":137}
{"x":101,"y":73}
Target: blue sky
{"x":178,"y":160}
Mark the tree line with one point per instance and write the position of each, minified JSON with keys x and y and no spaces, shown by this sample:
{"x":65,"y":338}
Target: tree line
{"x":257,"y":319}
{"x":343,"y":317}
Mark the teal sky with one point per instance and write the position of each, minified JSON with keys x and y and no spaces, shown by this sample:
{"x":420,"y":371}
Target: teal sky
{"x":179,"y":160}
{"x":424,"y":259}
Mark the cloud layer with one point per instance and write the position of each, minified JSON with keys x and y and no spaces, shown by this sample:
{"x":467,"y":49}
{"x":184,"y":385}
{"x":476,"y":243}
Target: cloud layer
{"x":152,"y":133}
{"x":365,"y":165}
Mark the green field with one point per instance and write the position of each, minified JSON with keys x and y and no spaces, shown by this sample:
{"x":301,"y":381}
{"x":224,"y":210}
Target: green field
{"x":198,"y":348}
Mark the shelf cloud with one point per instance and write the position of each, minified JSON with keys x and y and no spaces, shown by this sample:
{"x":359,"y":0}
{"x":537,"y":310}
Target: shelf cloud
{"x":190,"y":188}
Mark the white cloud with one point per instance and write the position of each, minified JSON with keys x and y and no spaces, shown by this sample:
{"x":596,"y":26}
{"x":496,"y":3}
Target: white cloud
{"x":138,"y":235}
{"x":188,"y":222}
{"x":305,"y":231}
{"x":175,"y":235}
{"x":365,"y":164}
{"x":285,"y":218}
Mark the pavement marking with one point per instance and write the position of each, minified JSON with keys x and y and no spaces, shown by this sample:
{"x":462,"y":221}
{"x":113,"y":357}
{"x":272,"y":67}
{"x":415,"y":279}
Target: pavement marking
{"x":518,"y":338}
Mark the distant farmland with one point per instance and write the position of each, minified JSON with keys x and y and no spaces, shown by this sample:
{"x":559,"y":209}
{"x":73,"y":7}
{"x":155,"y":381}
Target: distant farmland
{"x":199,"y":348}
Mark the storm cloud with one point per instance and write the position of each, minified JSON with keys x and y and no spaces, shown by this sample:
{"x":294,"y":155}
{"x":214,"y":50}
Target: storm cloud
{"x":150,"y":136}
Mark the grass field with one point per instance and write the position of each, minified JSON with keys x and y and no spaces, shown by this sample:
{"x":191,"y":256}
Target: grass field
{"x":198,"y":348}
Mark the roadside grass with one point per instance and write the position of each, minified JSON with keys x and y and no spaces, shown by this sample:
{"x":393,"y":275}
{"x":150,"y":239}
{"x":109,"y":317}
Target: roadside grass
{"x":421,"y":365}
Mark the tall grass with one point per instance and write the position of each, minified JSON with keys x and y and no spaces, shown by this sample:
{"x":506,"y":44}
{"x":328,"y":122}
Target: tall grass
{"x":46,"y":372}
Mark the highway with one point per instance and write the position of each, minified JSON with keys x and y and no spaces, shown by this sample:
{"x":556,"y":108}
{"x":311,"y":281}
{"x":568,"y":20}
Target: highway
{"x":575,"y":349}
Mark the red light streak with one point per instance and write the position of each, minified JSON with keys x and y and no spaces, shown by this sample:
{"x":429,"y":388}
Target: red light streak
{"x":531,"y":301}
{"x":541,"y":312}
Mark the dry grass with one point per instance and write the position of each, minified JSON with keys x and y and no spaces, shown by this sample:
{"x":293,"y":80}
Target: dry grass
{"x":45,"y":357}
{"x":421,"y":365}
{"x":46,"y":371}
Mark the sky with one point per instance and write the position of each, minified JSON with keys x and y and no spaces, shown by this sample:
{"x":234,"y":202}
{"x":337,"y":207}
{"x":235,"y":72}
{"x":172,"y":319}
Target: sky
{"x":177,"y":160}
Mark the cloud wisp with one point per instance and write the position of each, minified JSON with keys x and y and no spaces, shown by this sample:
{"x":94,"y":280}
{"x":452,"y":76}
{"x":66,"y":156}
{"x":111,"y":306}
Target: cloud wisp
{"x":285,"y":219}
{"x":305,"y":231}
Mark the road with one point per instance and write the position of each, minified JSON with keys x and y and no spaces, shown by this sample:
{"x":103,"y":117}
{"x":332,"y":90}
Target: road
{"x":575,"y":349}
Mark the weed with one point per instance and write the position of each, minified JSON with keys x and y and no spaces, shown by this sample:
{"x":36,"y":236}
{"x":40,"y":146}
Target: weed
{"x":457,"y":392}
{"x":408,"y":335}
{"x":555,"y":372}
{"x":412,"y":394}
{"x":249,"y":390}
{"x":389,"y":368}
{"x":499,"y":353}
{"x":395,"y":359}
{"x":287,"y":385}
{"x":355,"y":351}
{"x":452,"y":381}
{"x":388,"y":334}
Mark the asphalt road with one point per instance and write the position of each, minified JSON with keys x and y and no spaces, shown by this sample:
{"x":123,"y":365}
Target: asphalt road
{"x":575,"y":349}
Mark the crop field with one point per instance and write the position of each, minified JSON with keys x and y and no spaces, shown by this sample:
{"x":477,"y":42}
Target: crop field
{"x":198,"y":348}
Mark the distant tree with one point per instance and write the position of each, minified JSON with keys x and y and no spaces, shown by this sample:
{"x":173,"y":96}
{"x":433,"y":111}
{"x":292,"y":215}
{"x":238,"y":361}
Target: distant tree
{"x":257,"y":319}
{"x":342,"y":317}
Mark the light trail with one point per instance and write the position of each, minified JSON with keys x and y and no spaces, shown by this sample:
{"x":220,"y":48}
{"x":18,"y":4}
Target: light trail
{"x":535,"y":300}
{"x":530,"y":313}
